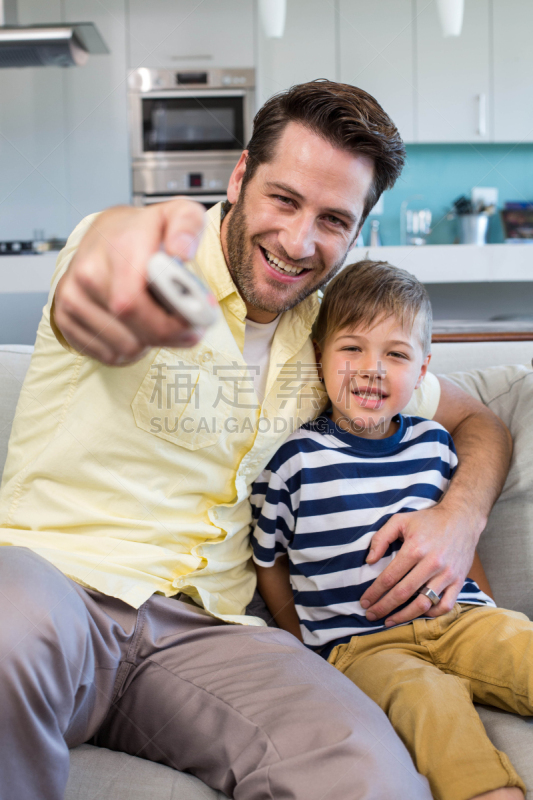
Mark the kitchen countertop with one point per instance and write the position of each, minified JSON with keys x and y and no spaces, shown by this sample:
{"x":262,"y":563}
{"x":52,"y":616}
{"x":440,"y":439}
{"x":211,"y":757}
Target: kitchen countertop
{"x":456,"y":263}
{"x":27,"y":273}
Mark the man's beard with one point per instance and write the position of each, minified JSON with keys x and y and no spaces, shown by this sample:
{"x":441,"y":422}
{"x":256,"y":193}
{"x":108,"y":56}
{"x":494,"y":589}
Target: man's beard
{"x":240,"y":265}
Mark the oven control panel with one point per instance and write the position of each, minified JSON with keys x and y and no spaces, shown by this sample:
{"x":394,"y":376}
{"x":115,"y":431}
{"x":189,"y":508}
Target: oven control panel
{"x":196,"y":181}
{"x":196,"y":174}
{"x":146,"y":80}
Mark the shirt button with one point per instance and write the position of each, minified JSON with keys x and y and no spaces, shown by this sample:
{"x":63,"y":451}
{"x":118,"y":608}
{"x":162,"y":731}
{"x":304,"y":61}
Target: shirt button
{"x":207,"y":356}
{"x":265,"y":413}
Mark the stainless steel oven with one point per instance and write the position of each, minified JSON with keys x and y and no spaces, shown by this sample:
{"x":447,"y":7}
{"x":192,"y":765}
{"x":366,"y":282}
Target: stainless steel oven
{"x":188,"y":129}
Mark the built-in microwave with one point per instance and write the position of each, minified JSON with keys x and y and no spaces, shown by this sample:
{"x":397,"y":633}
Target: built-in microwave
{"x":188,"y":129}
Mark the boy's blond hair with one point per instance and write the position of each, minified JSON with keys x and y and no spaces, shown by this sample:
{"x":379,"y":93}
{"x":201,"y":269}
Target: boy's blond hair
{"x":365,"y":292}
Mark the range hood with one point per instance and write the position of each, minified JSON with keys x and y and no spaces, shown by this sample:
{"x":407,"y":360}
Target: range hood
{"x":45,"y":45}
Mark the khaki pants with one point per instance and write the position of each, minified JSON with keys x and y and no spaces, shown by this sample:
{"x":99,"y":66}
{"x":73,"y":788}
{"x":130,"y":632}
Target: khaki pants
{"x":425,"y":676}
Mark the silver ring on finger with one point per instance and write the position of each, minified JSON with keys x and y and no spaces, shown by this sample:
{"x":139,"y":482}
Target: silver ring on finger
{"x":430,"y":594}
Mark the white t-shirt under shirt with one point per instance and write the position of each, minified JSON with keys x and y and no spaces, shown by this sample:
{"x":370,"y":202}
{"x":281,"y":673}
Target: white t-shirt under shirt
{"x":258,"y":338}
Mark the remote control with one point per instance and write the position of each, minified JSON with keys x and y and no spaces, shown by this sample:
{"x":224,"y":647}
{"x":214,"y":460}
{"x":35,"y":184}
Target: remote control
{"x":178,"y":291}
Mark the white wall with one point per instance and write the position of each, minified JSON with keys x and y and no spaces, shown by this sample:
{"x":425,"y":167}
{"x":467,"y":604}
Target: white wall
{"x":63,"y":132}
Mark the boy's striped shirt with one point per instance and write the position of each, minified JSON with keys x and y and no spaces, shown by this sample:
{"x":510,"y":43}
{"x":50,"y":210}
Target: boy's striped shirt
{"x":323,"y":496}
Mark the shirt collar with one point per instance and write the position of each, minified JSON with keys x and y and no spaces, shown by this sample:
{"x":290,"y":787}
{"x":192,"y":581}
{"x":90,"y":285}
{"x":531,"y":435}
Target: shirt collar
{"x":359,"y":444}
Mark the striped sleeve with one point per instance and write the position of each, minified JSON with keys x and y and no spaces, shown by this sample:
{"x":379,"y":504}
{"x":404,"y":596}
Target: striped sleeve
{"x":273,"y":518}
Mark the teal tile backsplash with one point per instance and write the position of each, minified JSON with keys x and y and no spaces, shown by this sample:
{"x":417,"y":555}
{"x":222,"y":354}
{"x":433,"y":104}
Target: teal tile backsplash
{"x":443,"y":172}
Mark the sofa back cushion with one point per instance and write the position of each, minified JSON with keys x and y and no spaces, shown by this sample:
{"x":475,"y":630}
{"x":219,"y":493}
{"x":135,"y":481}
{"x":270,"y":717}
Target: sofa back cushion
{"x":506,"y":546}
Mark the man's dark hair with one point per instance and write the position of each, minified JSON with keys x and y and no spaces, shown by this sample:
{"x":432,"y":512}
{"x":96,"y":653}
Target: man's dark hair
{"x":347,"y":117}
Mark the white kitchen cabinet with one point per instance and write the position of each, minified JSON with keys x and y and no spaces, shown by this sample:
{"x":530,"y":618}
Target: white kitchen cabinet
{"x":306,"y":51}
{"x":453,"y":76}
{"x":191,"y":34}
{"x":376,"y":53}
{"x":513,"y":68}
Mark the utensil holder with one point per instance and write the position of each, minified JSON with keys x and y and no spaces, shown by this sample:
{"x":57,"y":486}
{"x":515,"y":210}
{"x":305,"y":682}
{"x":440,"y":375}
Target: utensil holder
{"x":473,"y":228}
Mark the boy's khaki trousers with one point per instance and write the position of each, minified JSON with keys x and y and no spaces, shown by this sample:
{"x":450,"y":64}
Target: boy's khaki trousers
{"x":425,"y":676}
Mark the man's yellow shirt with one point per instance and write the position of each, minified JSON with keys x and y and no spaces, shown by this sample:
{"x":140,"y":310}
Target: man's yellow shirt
{"x":135,"y":480}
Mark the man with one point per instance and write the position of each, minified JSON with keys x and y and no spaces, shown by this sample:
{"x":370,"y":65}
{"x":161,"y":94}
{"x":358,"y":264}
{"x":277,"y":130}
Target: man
{"x":130,"y":488}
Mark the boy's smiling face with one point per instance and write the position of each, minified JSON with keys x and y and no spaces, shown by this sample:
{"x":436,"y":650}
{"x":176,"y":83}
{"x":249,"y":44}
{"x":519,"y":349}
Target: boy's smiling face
{"x":370,"y":374}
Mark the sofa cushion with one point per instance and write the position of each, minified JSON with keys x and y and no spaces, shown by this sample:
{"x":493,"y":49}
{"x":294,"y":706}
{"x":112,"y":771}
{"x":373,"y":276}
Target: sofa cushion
{"x":506,"y":546}
{"x":99,"y":773}
{"x":514,"y":736}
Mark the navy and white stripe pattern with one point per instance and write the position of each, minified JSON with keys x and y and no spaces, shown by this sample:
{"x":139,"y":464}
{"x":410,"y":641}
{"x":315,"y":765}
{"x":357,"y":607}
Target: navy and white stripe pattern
{"x":323,"y":496}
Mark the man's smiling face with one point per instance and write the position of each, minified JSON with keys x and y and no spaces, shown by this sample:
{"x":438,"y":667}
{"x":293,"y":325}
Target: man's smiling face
{"x":290,"y":228}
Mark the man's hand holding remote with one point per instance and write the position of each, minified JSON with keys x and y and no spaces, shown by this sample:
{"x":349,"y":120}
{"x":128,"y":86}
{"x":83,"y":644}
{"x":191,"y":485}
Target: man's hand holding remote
{"x":102,"y":305}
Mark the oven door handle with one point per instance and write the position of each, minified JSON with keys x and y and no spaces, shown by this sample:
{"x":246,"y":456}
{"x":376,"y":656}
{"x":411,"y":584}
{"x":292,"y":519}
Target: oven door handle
{"x":191,"y":94}
{"x":150,"y":199}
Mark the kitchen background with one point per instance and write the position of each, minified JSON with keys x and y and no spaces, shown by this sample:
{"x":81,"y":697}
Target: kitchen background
{"x":464,"y":106}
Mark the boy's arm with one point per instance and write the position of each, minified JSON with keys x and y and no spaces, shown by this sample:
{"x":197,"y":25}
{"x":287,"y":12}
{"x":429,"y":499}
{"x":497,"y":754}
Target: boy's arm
{"x":477,"y":573}
{"x":275,"y":588}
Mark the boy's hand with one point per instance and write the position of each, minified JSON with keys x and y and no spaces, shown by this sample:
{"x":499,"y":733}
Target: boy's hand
{"x":437,"y":551}
{"x":102,"y":306}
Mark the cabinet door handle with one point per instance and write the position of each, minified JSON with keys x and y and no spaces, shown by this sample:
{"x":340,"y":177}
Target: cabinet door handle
{"x":482,"y":114}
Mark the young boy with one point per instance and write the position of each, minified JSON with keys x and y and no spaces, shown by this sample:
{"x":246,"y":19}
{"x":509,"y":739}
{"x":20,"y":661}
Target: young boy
{"x":331,"y":486}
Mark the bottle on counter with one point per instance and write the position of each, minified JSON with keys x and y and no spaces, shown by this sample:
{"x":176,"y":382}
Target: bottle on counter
{"x":375,"y":238}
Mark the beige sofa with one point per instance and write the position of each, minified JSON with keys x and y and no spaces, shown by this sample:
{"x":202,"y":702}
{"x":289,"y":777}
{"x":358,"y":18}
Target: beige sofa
{"x":506,"y":550}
